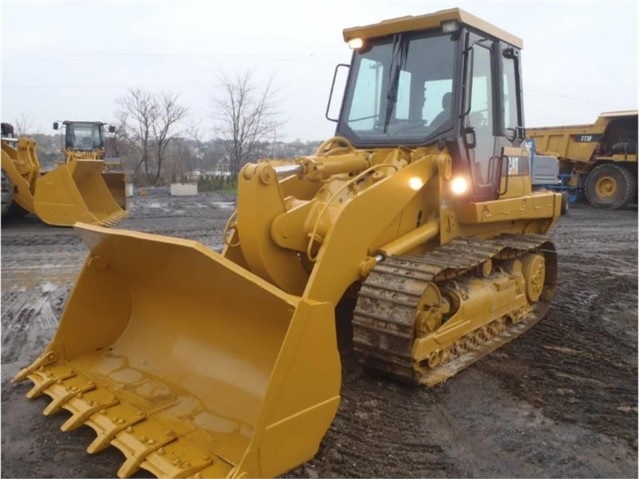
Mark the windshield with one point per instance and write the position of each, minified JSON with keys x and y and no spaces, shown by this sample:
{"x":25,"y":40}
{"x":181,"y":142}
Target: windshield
{"x":400,"y":90}
{"x":84,"y":136}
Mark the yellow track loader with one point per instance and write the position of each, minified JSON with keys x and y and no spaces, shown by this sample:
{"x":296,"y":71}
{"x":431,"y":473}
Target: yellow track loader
{"x":74,"y":191}
{"x":84,"y":140}
{"x":415,"y":229}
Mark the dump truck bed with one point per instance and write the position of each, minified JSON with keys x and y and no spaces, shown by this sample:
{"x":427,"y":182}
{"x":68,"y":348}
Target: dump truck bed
{"x":579,"y":143}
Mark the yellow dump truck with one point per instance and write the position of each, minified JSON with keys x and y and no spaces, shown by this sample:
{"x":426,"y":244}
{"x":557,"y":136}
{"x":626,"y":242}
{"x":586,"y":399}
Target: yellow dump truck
{"x":598,"y":161}
{"x":422,"y":240}
{"x":85,"y":140}
{"x":71,"y":192}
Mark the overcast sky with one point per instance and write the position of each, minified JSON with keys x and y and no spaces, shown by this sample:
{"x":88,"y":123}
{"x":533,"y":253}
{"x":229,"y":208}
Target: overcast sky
{"x":71,"y":60}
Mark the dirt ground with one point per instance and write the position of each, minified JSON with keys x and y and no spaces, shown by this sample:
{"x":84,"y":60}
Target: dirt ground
{"x":560,"y":401}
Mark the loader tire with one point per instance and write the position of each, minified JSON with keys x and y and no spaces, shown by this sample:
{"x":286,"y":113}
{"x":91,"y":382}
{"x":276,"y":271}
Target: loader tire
{"x":10,"y":209}
{"x":7,"y":194}
{"x":610,"y":186}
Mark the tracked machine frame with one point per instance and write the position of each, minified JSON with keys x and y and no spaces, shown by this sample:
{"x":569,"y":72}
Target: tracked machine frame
{"x":424,"y":318}
{"x":420,"y":211}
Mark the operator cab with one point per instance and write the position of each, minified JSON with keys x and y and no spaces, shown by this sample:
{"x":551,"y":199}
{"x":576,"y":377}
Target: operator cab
{"x":445,"y":77}
{"x":82,"y":135}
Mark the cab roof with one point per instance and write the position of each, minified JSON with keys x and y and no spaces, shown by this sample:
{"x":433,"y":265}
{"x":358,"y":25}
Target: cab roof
{"x":426,"y":22}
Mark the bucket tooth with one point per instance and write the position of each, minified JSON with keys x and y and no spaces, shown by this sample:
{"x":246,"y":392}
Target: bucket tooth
{"x":108,"y":422}
{"x":46,"y":359}
{"x":42,"y":380}
{"x":83,"y":407}
{"x":64,"y":391}
{"x":136,"y":443}
{"x":113,"y":218}
{"x":39,"y":386}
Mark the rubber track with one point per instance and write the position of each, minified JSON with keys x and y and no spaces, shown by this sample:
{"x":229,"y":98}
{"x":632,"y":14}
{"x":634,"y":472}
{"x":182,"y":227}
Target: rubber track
{"x":384,"y":317}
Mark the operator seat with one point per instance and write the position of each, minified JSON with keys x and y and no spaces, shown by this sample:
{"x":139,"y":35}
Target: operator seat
{"x":443,"y":115}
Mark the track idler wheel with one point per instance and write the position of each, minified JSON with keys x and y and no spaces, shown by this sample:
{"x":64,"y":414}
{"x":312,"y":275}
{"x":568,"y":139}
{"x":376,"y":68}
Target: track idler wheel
{"x":533,"y":267}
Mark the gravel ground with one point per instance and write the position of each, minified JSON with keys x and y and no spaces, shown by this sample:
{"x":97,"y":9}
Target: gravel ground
{"x":561,"y":401}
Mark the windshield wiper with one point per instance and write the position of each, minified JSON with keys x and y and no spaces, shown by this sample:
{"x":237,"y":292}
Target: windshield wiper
{"x":398,"y":59}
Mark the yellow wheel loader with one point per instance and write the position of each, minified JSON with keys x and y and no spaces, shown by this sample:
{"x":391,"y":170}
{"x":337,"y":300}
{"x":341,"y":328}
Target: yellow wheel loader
{"x":84,"y":140}
{"x":422,"y":237}
{"x":71,"y":192}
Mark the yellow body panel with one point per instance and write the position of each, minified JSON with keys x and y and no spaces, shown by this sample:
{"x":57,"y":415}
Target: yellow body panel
{"x":533,"y":206}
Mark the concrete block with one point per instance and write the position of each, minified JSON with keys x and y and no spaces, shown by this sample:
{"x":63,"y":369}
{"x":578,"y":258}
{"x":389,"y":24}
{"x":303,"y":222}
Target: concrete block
{"x":183,"y":189}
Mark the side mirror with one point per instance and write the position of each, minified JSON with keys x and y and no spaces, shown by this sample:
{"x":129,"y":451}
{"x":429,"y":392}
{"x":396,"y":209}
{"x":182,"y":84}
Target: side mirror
{"x":55,"y":125}
{"x":111,"y":129}
{"x":331,"y":114}
{"x":515,"y":135}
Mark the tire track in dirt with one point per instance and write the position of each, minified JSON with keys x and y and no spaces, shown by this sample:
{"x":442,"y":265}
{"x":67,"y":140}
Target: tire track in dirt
{"x":29,"y":318}
{"x":380,"y":427}
{"x":38,"y":270}
{"x":585,"y":351}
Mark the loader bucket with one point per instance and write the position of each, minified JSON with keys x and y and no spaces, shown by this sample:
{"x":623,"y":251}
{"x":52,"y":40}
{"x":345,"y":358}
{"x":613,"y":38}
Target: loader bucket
{"x":116,"y":184}
{"x":75,"y":191}
{"x":187,"y":363}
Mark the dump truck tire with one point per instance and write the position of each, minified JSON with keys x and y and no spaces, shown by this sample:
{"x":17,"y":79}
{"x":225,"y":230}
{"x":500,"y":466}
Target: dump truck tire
{"x":610,"y":186}
{"x":565,"y":203}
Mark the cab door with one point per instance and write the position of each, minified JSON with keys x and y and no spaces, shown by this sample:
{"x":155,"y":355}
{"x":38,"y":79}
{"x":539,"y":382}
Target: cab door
{"x":492,"y":121}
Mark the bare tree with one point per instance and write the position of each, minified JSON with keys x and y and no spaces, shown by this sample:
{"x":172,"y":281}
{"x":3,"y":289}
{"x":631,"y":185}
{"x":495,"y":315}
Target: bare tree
{"x":138,"y":111}
{"x":149,"y":123}
{"x":246,"y":116}
{"x":169,"y":114}
{"x":195,"y":133}
{"x":23,"y":125}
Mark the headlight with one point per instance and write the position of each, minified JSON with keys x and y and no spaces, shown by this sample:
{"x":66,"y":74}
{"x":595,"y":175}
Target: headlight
{"x":450,"y":26}
{"x":459,"y":185}
{"x":415,"y":183}
{"x":355,"y":43}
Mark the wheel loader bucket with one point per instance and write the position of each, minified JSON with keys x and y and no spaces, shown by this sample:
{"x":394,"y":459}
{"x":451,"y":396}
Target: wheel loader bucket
{"x":76,"y":192}
{"x":117,"y":187}
{"x":187,"y":363}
